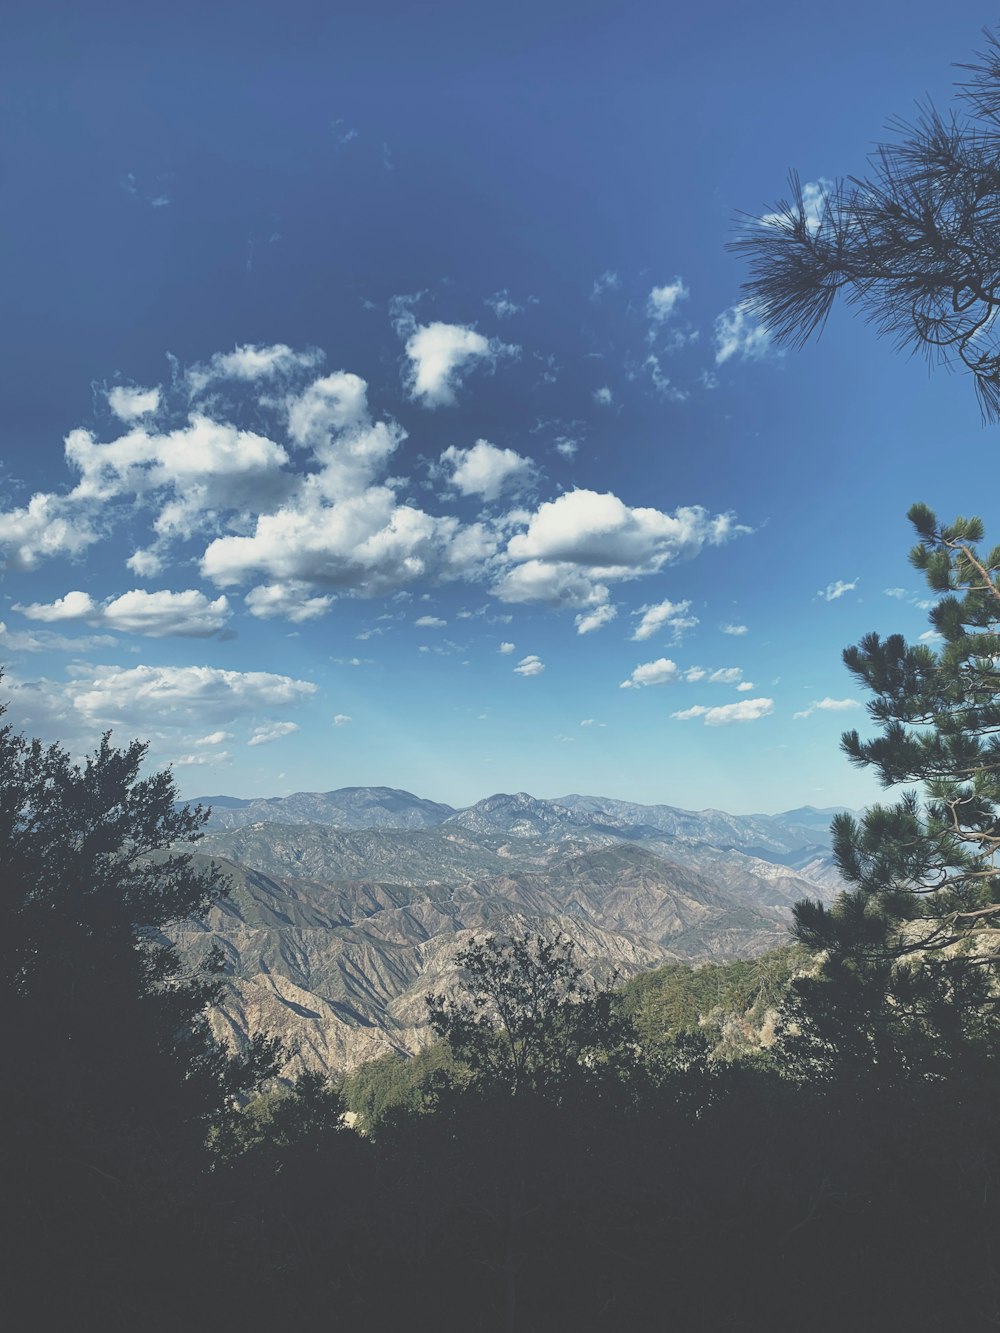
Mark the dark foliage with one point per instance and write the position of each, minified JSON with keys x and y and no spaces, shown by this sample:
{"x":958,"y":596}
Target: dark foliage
{"x":915,"y":244}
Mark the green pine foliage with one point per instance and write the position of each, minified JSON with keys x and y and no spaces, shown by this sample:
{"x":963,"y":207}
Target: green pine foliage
{"x":911,"y":949}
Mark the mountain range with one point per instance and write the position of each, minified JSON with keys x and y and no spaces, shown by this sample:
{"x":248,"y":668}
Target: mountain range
{"x":348,"y":906}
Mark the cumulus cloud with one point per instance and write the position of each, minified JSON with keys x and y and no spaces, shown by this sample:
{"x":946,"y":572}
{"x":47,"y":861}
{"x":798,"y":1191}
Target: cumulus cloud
{"x":128,"y":404}
{"x":745,"y":685}
{"x":158,"y":615}
{"x":202,"y":466}
{"x":739,"y":333}
{"x":341,"y":528}
{"x":529,"y":666}
{"x":506,"y":648}
{"x":342,"y":719}
{"x":666,"y":615}
{"x":288,"y":600}
{"x":834,"y":590}
{"x":49,"y":525}
{"x":828,"y":706}
{"x":148,"y":696}
{"x":215,"y":738}
{"x":272,"y":732}
{"x":440,"y":357}
{"x":251,"y":363}
{"x":661,"y":672}
{"x":430,"y":622}
{"x":736,"y":630}
{"x":747,"y":710}
{"x":603,"y":396}
{"x":485,"y":470}
{"x":587,"y":621}
{"x":575,"y":545}
{"x":663,"y":301}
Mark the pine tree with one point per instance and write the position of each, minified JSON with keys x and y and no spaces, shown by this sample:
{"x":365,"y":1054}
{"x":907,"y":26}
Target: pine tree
{"x":912,"y":949}
{"x":915,"y":244}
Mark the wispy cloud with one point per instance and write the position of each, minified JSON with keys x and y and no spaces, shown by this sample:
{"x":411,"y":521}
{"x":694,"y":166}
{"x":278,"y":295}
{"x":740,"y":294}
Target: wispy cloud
{"x":747,"y":710}
{"x":828,"y":706}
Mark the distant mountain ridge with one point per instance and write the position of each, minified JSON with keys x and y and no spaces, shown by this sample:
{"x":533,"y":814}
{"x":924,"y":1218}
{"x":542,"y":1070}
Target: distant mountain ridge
{"x":349,"y":906}
{"x":524,"y":815}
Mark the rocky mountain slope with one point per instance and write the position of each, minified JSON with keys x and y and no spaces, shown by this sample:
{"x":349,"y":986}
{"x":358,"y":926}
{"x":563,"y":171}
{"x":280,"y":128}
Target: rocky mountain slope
{"x":334,"y":933}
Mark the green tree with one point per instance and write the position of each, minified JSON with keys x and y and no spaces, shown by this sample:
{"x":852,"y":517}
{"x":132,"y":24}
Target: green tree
{"x":106,"y":1039}
{"x":527,"y":1020}
{"x":915,"y":244}
{"x":913,"y":947}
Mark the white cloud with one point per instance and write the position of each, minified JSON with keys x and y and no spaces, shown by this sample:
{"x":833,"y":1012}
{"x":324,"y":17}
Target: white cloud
{"x":726,"y":676}
{"x":747,"y":710}
{"x":251,"y":363}
{"x":603,"y":396}
{"x":745,"y":685}
{"x":49,"y":525}
{"x":931,"y":636}
{"x":828,"y":706}
{"x":47,"y":641}
{"x":440,"y":356}
{"x":660,"y":672}
{"x":485,"y":470}
{"x":899,"y":593}
{"x":738,"y":333}
{"x":529,"y":666}
{"x":162,"y":614}
{"x":215,"y":738}
{"x":663,"y":301}
{"x":506,"y":648}
{"x":664,"y":615}
{"x":289,"y":600}
{"x":367,"y":543}
{"x":342,"y":719}
{"x":272,"y":732}
{"x":833,"y":591}
{"x":430,"y":622}
{"x":149,"y":696}
{"x":128,"y":404}
{"x":587,"y":621}
{"x":205,"y":465}
{"x":735,"y":630}
{"x":566,"y":447}
{"x":574,"y":545}
{"x":206,"y":758}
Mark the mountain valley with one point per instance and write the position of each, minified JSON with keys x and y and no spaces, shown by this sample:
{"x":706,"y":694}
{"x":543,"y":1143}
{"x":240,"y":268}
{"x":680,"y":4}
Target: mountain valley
{"x":348,"y":907}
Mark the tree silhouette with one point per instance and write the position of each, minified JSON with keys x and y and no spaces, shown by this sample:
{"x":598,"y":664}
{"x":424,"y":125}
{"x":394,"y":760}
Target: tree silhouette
{"x":104,"y":1036}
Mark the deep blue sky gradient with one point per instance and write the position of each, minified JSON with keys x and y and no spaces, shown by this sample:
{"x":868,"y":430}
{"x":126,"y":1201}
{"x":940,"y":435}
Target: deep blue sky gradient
{"x":193,"y":179}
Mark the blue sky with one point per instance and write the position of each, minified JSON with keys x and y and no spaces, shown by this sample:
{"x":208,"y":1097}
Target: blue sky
{"x":378,"y":407}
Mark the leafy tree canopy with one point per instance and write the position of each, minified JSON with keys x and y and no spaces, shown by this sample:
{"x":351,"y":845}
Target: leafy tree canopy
{"x":100,"y":1027}
{"x":527,"y":1020}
